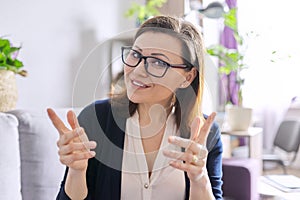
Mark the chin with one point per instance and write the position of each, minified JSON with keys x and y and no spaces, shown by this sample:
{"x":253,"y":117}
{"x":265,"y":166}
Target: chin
{"x":134,"y":98}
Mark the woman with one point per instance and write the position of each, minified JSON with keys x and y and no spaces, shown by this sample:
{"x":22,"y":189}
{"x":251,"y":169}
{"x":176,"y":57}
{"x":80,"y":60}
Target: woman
{"x":153,"y":142}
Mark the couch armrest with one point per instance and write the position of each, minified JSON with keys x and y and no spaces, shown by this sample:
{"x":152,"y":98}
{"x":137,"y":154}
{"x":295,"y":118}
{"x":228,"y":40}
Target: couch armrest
{"x":41,"y":170}
{"x":10,"y":183}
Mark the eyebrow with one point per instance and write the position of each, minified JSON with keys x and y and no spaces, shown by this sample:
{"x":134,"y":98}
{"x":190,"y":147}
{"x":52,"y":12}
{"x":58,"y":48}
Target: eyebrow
{"x":160,"y":54}
{"x":153,"y":54}
{"x":138,"y":48}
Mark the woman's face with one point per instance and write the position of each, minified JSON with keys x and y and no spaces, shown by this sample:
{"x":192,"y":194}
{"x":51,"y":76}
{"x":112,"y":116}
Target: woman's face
{"x":145,"y":88}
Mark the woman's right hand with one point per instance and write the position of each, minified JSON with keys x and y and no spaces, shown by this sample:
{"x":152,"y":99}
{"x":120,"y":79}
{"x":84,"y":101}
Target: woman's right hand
{"x":74,"y":146}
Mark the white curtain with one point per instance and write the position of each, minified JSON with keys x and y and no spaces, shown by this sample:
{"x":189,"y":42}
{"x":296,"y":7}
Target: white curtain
{"x":272,"y":80}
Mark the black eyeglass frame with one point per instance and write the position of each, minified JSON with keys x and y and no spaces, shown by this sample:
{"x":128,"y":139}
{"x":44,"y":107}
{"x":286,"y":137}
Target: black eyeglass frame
{"x":180,"y":66}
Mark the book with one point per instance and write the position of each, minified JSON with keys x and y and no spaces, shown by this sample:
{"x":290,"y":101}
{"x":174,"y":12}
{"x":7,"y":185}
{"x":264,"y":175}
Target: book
{"x":286,"y":183}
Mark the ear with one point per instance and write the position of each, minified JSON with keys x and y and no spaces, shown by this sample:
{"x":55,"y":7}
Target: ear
{"x":190,"y":76}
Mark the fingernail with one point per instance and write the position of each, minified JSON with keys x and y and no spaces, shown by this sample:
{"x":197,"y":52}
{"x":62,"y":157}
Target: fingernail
{"x":91,"y":145}
{"x":173,"y":138}
{"x":166,"y":152}
{"x":92,"y":153}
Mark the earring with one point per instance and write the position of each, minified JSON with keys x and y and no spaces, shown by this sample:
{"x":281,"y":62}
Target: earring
{"x":173,"y":101}
{"x":182,"y":85}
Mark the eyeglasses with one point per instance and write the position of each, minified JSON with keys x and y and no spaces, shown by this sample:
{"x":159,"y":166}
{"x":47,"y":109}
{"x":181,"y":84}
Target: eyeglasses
{"x":153,"y":66}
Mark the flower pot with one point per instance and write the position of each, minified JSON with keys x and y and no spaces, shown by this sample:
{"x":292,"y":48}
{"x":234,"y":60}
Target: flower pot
{"x":8,"y":91}
{"x":239,"y":118}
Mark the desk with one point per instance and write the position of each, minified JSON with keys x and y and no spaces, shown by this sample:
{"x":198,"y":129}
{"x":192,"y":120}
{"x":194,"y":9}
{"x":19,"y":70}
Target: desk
{"x":268,"y":192}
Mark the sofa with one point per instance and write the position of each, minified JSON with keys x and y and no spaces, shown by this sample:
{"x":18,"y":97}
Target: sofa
{"x":30,"y":167}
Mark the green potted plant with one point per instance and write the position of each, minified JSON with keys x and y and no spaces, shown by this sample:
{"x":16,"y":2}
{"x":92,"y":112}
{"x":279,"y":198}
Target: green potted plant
{"x":144,"y":11}
{"x":9,"y":67}
{"x":231,"y":60}
{"x":8,"y":58}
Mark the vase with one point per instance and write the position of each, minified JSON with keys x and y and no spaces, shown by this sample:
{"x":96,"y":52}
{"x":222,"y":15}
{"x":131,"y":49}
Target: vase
{"x":239,"y":118}
{"x":8,"y":90}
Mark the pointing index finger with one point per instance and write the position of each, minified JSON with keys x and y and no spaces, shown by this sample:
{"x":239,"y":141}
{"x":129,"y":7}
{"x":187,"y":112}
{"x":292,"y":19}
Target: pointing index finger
{"x":57,"y":122}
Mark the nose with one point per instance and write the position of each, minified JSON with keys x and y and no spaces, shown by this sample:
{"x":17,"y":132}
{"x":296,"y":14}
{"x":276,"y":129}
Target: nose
{"x":140,"y":69}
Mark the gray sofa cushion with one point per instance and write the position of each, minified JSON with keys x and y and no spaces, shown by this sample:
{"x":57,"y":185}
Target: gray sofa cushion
{"x":10,"y":184}
{"x":41,"y":171}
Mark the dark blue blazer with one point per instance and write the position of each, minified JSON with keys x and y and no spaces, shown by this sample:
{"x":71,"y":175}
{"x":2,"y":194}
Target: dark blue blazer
{"x":105,"y":124}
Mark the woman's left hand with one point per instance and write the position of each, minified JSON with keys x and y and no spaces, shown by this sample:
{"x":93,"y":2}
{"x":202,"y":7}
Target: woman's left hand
{"x":195,"y":154}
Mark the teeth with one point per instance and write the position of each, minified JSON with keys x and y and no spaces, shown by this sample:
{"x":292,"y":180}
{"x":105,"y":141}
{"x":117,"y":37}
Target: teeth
{"x":138,"y":84}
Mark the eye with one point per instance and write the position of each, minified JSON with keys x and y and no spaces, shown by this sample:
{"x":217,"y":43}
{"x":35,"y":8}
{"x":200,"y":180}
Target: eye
{"x":135,"y":54}
{"x":159,"y":63}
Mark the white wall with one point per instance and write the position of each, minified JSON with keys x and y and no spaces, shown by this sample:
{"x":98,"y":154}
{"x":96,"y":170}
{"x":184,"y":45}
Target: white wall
{"x":65,"y":48}
{"x":56,"y":37}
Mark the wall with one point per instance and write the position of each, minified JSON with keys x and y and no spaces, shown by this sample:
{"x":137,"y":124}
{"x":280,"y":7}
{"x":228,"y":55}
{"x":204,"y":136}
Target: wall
{"x":56,"y":37}
{"x":65,"y":48}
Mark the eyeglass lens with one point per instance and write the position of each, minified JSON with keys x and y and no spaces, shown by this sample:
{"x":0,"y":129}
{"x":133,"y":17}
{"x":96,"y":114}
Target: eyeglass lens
{"x":154,"y":66}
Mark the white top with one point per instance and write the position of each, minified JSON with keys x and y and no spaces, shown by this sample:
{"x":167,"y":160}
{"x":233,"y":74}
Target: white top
{"x":165,"y":182}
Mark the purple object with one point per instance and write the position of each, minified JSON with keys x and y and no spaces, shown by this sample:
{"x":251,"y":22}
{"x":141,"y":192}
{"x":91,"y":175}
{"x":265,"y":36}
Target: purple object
{"x":240,"y":178}
{"x":229,"y":87}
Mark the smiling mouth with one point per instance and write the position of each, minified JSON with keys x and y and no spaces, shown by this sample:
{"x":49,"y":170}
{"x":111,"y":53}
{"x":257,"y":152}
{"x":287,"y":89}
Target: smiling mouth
{"x":139,"y":84}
